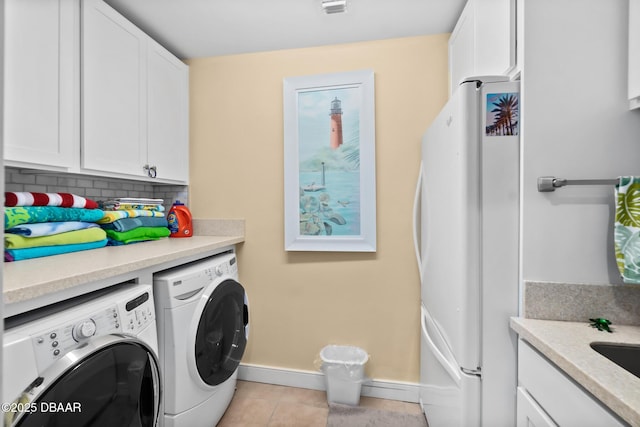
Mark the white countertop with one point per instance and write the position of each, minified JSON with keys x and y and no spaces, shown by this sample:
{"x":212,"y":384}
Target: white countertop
{"x":567,"y":345}
{"x":32,"y":283}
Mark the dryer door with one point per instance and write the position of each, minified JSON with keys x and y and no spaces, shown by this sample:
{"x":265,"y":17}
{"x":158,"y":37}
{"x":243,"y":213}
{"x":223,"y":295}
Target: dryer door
{"x":111,"y":381}
{"x":222,"y":333}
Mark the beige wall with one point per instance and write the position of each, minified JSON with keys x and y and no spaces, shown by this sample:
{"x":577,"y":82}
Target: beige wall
{"x":300,"y":302}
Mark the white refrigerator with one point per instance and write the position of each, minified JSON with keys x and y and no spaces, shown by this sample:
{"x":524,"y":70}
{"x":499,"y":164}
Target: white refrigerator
{"x":466,"y":228}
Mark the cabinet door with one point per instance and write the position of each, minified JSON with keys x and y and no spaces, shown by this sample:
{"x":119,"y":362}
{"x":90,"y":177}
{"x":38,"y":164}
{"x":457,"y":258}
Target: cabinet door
{"x":41,"y":89}
{"x":565,"y":401}
{"x":483,"y":41}
{"x":634,"y":53}
{"x":462,"y":48}
{"x":168,"y":114}
{"x":529,"y":413}
{"x":113,"y":91}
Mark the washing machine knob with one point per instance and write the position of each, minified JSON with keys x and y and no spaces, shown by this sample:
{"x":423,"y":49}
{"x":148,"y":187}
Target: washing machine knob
{"x":84,"y":330}
{"x":218,"y":270}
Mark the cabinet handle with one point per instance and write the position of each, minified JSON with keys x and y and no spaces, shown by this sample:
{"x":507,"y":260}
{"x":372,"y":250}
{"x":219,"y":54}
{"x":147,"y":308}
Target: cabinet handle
{"x":150,"y":171}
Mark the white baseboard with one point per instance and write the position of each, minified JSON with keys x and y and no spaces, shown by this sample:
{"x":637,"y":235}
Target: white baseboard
{"x":393,"y":390}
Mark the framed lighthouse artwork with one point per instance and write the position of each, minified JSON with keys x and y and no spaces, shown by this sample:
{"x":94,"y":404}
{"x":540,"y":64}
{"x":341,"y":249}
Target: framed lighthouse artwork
{"x":329,"y":161}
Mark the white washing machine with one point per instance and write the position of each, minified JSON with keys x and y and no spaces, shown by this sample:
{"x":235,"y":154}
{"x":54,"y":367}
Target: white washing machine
{"x":88,"y":361}
{"x":203,"y":327}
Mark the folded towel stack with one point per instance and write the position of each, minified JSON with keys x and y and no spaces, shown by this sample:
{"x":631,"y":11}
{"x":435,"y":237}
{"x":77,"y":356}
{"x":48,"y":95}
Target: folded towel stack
{"x":43,"y":224}
{"x":131,"y":220}
{"x":627,"y":228}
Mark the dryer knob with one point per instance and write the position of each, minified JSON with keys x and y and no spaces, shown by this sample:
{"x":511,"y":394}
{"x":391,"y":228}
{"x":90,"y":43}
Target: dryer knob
{"x":84,"y":330}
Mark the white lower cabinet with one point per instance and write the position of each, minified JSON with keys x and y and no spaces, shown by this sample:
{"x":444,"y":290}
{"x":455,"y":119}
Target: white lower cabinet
{"x":530,"y":414}
{"x":41,"y":83}
{"x":548,"y":397}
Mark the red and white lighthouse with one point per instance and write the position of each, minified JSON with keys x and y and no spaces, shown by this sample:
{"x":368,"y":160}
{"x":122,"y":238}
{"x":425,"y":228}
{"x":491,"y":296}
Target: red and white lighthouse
{"x":336,"y":123}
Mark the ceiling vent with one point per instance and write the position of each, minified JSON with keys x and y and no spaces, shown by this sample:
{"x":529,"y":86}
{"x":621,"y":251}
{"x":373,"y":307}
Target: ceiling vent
{"x":334,"y":6}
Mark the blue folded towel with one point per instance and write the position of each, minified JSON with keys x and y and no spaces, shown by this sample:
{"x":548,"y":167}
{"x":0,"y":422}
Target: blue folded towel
{"x":627,"y":228}
{"x":42,"y":251}
{"x":127,"y":224}
{"x":49,"y":228}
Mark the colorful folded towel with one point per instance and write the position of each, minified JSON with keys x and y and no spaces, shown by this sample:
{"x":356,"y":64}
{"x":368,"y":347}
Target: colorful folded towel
{"x":627,"y":228}
{"x":14,"y":216}
{"x":110,"y":216}
{"x":140,"y":200}
{"x":29,"y":253}
{"x":126,"y":224}
{"x":116,"y":206}
{"x":15,"y":241}
{"x":49,"y":228}
{"x":138,"y":234}
{"x":64,"y":200}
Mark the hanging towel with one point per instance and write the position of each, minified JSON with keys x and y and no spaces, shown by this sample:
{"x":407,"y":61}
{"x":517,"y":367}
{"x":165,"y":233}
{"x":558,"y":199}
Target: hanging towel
{"x":627,"y":228}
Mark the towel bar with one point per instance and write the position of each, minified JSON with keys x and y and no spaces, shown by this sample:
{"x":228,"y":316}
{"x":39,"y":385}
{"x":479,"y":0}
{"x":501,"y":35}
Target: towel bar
{"x":550,"y":183}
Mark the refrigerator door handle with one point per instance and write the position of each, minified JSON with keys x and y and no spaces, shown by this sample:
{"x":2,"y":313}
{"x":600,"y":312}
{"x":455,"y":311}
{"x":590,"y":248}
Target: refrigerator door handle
{"x":416,"y":202}
{"x":451,"y":368}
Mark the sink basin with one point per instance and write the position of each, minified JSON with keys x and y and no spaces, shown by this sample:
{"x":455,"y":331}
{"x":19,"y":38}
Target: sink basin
{"x":625,"y":355}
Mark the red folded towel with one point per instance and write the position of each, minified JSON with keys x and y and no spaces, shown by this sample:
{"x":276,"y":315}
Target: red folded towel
{"x":63,"y":200}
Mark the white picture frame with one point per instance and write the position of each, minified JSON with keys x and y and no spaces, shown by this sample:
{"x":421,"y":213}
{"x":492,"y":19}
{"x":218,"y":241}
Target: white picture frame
{"x":329,"y":162}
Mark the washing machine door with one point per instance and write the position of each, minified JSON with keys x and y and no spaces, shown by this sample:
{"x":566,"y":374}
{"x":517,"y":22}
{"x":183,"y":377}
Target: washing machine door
{"x":110,"y":381}
{"x":222,"y":333}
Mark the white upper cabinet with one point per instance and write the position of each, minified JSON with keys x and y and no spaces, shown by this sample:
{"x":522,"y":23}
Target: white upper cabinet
{"x":634,"y":53}
{"x":168,"y":113}
{"x":483,"y":41}
{"x":113,"y":91}
{"x":41,"y":98}
{"x":134,"y":100}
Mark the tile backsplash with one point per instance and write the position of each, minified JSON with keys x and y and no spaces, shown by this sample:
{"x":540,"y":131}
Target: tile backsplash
{"x":91,"y":187}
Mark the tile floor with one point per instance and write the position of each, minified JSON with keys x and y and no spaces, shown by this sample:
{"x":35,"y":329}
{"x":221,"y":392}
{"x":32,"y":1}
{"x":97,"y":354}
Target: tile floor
{"x":257,"y":404}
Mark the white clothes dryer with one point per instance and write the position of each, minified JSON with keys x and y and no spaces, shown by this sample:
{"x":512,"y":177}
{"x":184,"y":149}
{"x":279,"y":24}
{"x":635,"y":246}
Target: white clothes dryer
{"x":87,"y":361}
{"x":203,"y":327}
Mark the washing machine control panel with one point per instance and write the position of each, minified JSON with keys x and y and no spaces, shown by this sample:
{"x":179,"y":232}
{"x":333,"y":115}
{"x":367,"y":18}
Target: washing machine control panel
{"x":228,"y":267}
{"x":54,"y":342}
{"x":128,"y":317}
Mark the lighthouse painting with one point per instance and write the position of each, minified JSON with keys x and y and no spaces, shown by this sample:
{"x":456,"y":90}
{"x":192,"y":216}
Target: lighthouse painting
{"x":336,"y":123}
{"x":329,"y":169}
{"x":325,"y":149}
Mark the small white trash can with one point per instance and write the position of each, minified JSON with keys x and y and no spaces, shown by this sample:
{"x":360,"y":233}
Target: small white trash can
{"x":343,"y":368}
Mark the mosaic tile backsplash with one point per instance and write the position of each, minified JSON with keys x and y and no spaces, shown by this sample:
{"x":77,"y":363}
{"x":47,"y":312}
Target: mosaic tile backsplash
{"x":91,"y":187}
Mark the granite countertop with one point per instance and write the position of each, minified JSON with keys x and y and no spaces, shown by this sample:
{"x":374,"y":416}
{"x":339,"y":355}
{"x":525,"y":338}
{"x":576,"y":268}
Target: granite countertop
{"x":61,"y":276}
{"x":567,"y":345}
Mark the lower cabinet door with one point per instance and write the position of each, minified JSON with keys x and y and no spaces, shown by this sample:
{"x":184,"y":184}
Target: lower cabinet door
{"x":529,"y":413}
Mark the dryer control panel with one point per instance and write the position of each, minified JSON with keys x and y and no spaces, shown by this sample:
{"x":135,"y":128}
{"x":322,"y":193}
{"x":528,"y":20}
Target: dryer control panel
{"x":137,"y":314}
